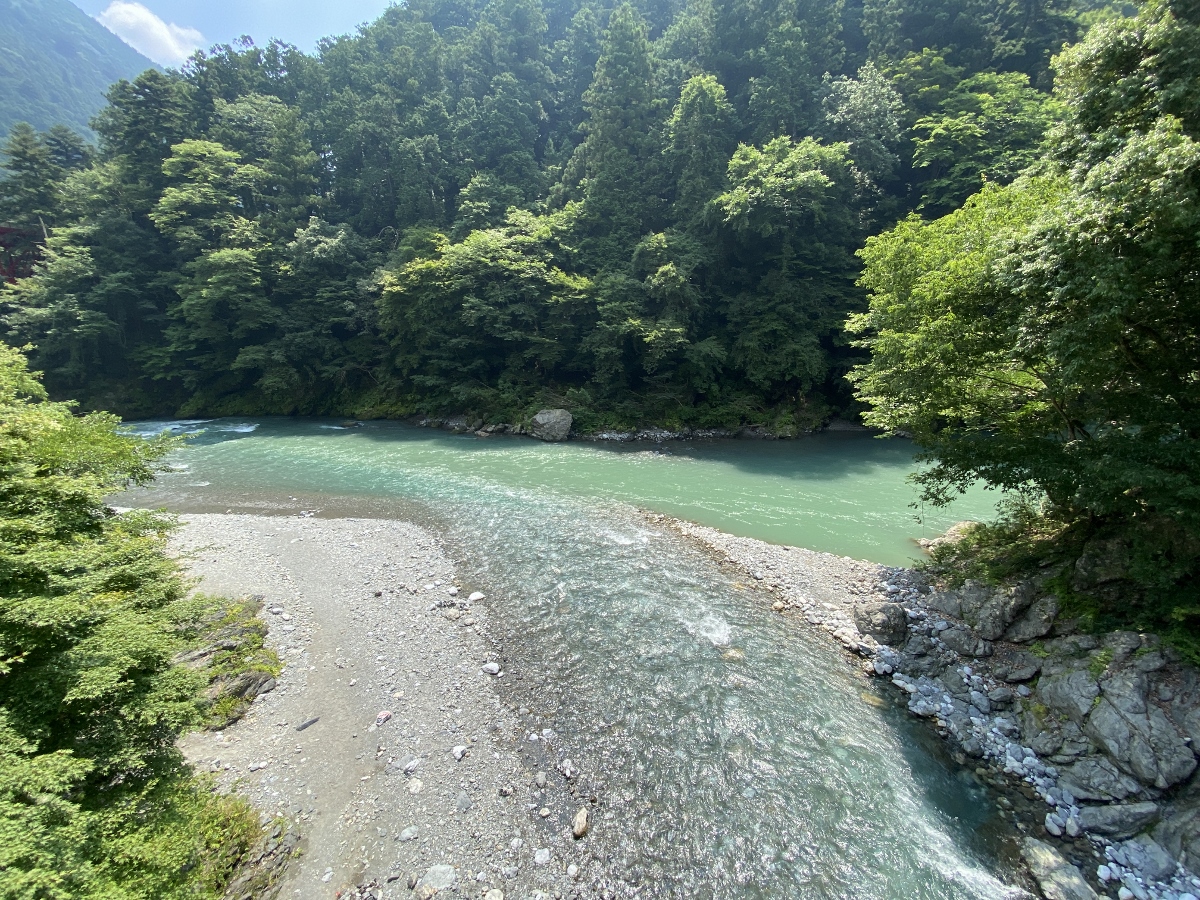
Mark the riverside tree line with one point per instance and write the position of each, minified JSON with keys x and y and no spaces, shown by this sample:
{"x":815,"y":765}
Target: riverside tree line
{"x":645,"y":213}
{"x":925,"y":212}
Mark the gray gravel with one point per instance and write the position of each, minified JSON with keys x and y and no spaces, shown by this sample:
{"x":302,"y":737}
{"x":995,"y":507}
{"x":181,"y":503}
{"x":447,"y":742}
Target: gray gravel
{"x":369,"y":619}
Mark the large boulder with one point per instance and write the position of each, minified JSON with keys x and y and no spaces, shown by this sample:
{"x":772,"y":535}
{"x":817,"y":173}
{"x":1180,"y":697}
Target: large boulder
{"x":1016,"y":666}
{"x":1148,"y":857}
{"x":1102,"y":562}
{"x":998,"y":610}
{"x":966,"y":642}
{"x":1179,"y":834}
{"x":1058,"y":879}
{"x":1118,"y":820}
{"x":1012,"y":613}
{"x":886,"y":622}
{"x":1137,"y":735}
{"x":551,"y":425}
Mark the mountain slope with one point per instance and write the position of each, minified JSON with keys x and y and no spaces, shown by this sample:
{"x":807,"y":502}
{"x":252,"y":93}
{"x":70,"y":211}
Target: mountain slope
{"x":56,"y":63}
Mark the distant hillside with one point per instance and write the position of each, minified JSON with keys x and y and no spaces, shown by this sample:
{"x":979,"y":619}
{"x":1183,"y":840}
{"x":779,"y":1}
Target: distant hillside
{"x":56,"y":63}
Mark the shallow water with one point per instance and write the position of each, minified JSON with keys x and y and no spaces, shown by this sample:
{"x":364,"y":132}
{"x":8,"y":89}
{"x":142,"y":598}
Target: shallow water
{"x":842,"y":493}
{"x":736,"y":754}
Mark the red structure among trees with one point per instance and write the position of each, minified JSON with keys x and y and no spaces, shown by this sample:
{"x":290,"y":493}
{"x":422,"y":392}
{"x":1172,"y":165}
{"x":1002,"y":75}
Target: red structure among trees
{"x":18,"y":252}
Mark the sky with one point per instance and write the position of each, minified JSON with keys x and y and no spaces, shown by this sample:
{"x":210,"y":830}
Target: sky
{"x":168,"y":31}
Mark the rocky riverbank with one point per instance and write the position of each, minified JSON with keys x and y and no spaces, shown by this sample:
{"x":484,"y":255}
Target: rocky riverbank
{"x":384,"y":742}
{"x":1090,"y":738}
{"x":556,"y":425}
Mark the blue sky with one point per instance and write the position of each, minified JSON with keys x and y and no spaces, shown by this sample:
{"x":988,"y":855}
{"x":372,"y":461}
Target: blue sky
{"x":168,"y":30}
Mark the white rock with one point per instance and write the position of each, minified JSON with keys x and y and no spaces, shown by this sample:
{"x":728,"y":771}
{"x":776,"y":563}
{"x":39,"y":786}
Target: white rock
{"x":459,"y":752}
{"x":491,"y":668}
{"x":541,"y":857}
{"x":579,"y":827}
{"x":476,"y":597}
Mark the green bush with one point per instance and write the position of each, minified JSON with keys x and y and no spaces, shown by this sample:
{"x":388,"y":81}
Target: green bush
{"x":95,"y":798}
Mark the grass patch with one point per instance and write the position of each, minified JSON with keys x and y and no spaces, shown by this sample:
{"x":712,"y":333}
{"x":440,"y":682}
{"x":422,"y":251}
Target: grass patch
{"x":227,"y":646}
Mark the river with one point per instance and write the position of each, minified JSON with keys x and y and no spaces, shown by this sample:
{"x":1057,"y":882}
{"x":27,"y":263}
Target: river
{"x":772,"y":771}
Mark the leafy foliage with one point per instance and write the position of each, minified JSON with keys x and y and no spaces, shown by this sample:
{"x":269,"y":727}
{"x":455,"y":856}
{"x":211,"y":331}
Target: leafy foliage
{"x":95,"y":800}
{"x":1046,"y":336}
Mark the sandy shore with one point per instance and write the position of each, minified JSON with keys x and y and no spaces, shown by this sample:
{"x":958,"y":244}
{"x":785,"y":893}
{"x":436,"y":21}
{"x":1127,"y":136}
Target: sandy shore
{"x":370,"y":618}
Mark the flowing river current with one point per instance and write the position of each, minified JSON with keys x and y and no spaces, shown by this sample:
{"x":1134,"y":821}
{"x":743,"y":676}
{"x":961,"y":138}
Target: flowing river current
{"x":776,"y":771}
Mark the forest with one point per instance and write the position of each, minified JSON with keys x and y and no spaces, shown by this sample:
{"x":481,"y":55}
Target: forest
{"x":649,"y":214}
{"x":969,"y":223}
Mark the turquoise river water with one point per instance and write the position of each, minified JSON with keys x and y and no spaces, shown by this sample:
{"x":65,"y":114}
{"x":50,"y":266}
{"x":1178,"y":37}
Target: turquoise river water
{"x":778,"y":775}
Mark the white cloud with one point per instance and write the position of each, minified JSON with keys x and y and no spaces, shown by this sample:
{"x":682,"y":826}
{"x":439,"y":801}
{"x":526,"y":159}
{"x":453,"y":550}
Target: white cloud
{"x":164,"y":42}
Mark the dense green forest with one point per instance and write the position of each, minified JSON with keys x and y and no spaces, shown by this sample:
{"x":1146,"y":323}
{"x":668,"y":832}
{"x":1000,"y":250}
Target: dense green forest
{"x":667,"y":213}
{"x":644,"y":213}
{"x":56,"y":63}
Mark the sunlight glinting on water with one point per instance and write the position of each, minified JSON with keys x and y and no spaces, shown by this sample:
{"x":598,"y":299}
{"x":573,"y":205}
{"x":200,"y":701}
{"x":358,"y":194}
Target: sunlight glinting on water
{"x":733,"y":750}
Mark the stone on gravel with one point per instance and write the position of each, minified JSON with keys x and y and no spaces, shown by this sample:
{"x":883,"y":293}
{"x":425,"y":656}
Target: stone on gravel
{"x":459,"y":752}
{"x":491,"y":668}
{"x":1058,"y":879}
{"x":541,"y":857}
{"x":551,"y":425}
{"x":408,"y":834}
{"x":579,"y":827}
